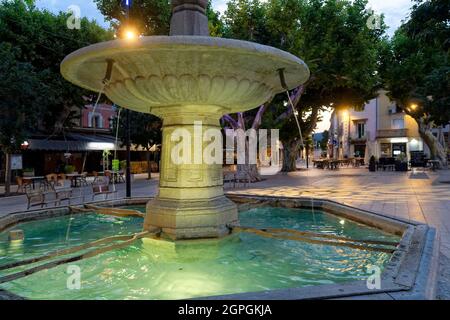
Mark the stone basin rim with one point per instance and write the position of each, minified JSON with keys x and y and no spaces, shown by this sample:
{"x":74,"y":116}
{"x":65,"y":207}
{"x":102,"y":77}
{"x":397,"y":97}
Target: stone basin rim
{"x":189,"y":43}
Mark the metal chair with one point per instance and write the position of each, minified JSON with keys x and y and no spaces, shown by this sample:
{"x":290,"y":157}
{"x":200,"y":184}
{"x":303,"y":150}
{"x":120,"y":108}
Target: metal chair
{"x":22,"y":184}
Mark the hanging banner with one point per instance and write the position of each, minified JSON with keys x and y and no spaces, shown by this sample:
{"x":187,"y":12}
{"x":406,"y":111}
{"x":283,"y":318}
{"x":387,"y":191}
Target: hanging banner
{"x":116,"y":165}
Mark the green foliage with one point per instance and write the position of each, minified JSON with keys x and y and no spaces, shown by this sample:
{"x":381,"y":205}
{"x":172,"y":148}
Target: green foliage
{"x":416,"y":65}
{"x":331,"y":36}
{"x":149,"y":17}
{"x":19,"y":99}
{"x":215,"y":24}
{"x":145,"y":129}
{"x":324,"y":141}
{"x":69,"y":169}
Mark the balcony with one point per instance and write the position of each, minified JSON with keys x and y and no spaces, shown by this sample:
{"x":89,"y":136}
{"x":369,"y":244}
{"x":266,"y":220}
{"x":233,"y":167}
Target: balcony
{"x":355,"y":139}
{"x":392,"y":133}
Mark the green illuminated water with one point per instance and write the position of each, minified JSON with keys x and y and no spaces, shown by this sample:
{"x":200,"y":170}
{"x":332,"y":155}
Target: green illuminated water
{"x":242,"y":263}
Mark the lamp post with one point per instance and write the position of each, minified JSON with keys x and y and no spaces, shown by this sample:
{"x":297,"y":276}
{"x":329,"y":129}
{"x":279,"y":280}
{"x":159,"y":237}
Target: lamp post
{"x":127,"y":142}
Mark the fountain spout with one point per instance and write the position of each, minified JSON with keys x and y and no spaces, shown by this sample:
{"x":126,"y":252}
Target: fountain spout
{"x":189,"y":18}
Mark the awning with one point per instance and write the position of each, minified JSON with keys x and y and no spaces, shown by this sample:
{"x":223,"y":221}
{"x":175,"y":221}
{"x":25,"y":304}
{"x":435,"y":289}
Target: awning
{"x":78,"y":142}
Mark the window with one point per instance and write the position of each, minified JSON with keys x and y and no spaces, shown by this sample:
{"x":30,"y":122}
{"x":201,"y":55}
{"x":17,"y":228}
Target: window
{"x":361,"y":129}
{"x":398,"y":124}
{"x":95,"y":120}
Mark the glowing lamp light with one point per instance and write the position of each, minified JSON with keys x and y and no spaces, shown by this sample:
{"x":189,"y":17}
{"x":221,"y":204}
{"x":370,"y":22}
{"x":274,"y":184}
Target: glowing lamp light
{"x":130,"y":35}
{"x":413,"y":106}
{"x":25,"y":145}
{"x":100,"y":146}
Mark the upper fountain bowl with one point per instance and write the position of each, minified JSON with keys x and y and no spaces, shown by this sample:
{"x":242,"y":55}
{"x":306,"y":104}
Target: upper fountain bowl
{"x":152,"y":74}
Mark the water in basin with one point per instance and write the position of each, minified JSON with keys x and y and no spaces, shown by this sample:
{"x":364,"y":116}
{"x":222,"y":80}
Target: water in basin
{"x":243,"y":263}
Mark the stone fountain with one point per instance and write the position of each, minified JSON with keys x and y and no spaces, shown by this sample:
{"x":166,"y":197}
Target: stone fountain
{"x":184,"y":78}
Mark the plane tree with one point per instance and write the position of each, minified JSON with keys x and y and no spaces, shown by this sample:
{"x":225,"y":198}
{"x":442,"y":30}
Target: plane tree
{"x":416,"y":70}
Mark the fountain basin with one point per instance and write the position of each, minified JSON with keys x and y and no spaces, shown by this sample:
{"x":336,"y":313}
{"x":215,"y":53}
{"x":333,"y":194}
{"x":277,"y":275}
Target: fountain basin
{"x":243,"y":266}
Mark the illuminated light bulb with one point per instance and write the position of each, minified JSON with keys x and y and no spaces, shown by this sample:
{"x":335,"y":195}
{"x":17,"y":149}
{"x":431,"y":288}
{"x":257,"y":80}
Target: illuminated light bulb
{"x":130,"y":35}
{"x":413,"y":106}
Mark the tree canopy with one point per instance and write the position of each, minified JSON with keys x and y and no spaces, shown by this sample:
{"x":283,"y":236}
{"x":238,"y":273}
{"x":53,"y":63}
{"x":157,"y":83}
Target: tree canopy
{"x":149,"y":17}
{"x":333,"y":38}
{"x":416,"y":70}
{"x":37,"y":41}
{"x":34,"y":97}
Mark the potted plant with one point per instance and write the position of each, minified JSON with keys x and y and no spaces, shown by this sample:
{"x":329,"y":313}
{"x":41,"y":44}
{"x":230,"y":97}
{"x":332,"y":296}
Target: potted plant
{"x":69,"y":169}
{"x":28,"y":172}
{"x":372,"y":164}
{"x":123,"y":165}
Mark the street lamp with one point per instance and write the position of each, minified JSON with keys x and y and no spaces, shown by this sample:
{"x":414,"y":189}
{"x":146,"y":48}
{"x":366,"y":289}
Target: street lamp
{"x":24,"y":145}
{"x":130,"y":34}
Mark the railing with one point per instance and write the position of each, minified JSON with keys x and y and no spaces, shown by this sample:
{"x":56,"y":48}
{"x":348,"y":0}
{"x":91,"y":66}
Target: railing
{"x":354,"y":138}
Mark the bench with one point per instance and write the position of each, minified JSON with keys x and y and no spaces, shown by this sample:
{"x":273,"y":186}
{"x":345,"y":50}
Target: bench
{"x":100,"y":189}
{"x":38,"y":198}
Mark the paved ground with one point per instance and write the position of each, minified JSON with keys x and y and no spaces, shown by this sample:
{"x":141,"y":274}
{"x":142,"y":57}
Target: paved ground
{"x":420,"y":196}
{"x":141,"y":187}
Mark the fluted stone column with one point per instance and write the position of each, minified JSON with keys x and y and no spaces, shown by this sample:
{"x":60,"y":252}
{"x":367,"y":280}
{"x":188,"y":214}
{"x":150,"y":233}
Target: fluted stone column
{"x":191,"y":202}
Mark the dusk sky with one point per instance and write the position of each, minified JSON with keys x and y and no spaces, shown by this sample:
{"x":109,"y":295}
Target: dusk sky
{"x":394,"y":10}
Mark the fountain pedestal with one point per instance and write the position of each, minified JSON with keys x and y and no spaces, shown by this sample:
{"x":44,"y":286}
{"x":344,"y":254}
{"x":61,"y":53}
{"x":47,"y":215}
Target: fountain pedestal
{"x":191,"y":203}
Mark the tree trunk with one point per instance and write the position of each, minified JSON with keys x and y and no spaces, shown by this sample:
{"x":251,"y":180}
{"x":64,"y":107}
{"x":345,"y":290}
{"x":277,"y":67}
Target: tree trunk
{"x":290,"y":153}
{"x":251,"y":170}
{"x":248,"y":168}
{"x":437,"y":151}
{"x":7,"y":173}
{"x":149,"y":169}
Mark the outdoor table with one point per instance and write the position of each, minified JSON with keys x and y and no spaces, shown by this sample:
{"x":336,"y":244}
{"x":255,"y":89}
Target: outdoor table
{"x":74,"y":178}
{"x":33,"y":179}
{"x":358,"y":162}
{"x":334,"y":165}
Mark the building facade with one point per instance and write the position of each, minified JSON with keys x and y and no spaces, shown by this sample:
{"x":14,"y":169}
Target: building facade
{"x":381,"y":129}
{"x":102,"y":117}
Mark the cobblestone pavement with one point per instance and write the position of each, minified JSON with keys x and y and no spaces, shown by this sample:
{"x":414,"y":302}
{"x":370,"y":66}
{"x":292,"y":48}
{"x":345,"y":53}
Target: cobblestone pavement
{"x":419,"y":195}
